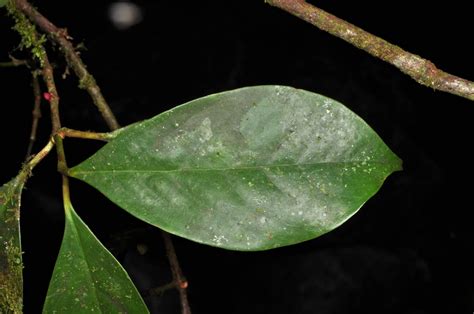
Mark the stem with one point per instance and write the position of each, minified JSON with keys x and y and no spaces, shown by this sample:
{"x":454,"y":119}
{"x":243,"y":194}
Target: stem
{"x":65,"y":132}
{"x":66,"y":193}
{"x":178,"y":278}
{"x":13,"y":63}
{"x":48,"y":78}
{"x":62,"y":164}
{"x":162,"y":289}
{"x":421,"y":70}
{"x":36,"y":113}
{"x":86,"y":80}
{"x":29,"y":165}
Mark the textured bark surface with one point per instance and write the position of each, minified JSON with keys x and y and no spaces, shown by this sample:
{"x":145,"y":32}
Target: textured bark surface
{"x":421,"y":70}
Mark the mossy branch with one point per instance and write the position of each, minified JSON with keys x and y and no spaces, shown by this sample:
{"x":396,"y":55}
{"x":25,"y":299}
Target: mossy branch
{"x":421,"y":70}
{"x":60,"y":37}
{"x":28,"y":34}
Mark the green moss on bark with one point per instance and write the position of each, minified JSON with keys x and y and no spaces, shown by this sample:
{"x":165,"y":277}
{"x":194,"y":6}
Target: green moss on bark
{"x":30,"y":39}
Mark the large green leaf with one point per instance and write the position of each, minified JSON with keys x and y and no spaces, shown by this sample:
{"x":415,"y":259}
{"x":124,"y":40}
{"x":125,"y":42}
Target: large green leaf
{"x":249,"y":169}
{"x":11,"y":266}
{"x":3,"y":3}
{"x":87,"y":278}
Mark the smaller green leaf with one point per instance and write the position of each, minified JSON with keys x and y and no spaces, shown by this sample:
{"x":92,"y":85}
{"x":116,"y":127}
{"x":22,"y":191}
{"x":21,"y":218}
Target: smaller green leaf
{"x":3,"y":3}
{"x":11,"y":266}
{"x":87,"y":278}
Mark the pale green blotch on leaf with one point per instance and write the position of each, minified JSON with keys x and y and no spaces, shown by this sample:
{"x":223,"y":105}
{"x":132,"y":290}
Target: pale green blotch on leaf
{"x":249,"y":169}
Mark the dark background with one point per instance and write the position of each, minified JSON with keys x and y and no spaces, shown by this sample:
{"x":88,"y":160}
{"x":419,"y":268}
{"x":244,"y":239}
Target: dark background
{"x":408,"y":250}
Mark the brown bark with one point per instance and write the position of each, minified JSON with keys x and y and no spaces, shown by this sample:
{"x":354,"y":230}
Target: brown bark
{"x":421,"y":70}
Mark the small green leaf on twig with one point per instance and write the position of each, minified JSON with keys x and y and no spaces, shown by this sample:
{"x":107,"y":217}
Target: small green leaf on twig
{"x":87,"y":278}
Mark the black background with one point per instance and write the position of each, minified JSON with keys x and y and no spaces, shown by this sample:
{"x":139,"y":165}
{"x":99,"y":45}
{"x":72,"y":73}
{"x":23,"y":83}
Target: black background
{"x":408,"y":250}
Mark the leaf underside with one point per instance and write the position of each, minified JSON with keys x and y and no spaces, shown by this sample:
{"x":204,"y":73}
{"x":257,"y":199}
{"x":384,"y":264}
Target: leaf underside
{"x":87,"y":278}
{"x":11,"y":266}
{"x":249,"y":169}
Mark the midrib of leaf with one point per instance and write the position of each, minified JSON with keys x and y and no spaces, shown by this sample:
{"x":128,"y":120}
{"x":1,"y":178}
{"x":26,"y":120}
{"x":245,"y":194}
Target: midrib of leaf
{"x":258,"y":167}
{"x":89,"y":273}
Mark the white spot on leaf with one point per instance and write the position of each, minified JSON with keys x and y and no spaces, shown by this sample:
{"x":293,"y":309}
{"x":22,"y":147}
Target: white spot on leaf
{"x":205,"y":130}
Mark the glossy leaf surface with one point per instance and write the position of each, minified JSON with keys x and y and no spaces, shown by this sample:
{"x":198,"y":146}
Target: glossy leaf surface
{"x":11,"y":266}
{"x":87,"y":278}
{"x":248,"y":169}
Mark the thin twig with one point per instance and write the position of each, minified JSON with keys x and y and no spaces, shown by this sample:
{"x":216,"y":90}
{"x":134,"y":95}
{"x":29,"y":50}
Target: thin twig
{"x":421,"y":70}
{"x":36,"y":112}
{"x":48,"y":78}
{"x":178,"y":278}
{"x":86,"y":80}
{"x":88,"y":135}
{"x":13,"y":63}
{"x":35,"y":159}
{"x":161,"y":289}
